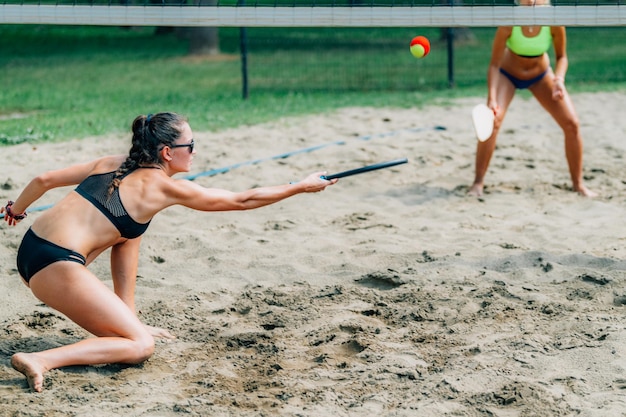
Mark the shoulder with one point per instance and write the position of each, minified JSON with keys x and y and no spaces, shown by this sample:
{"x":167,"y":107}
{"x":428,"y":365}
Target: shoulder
{"x":166,"y":191}
{"x":557,"y":31}
{"x":180,"y":188}
{"x":107,"y":163}
{"x":76,"y":173}
{"x":504,"y":31}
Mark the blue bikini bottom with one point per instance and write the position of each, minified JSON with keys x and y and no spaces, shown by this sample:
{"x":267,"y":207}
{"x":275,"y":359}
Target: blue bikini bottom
{"x":522,"y":84}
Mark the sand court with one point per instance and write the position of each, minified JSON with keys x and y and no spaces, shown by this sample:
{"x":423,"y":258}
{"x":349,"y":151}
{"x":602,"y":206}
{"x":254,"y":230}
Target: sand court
{"x":391,"y":293}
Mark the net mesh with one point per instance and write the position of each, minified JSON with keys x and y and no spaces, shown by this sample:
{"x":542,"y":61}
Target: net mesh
{"x":311,"y":3}
{"x":315,"y":39}
{"x":317,"y":13}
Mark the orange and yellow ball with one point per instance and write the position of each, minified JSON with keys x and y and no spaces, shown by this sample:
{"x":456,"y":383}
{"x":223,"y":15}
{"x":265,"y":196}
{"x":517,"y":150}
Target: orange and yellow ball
{"x":420,"y":46}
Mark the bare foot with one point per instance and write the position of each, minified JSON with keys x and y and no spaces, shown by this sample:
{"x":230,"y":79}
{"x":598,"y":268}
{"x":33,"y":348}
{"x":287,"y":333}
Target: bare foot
{"x":31,"y":367}
{"x":476,"y":190}
{"x":586,"y":192}
{"x":159,"y":332}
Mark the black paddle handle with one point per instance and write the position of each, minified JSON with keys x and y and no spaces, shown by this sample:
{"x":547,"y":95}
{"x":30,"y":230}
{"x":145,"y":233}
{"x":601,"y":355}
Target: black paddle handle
{"x":367,"y":168}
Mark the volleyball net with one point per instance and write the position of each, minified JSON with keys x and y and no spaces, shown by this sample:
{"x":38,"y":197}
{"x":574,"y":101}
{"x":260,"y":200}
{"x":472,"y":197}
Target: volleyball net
{"x":358,"y":45}
{"x":314,"y":13}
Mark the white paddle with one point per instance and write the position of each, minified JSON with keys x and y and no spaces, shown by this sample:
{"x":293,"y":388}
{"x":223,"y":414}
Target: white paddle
{"x":482,"y":117}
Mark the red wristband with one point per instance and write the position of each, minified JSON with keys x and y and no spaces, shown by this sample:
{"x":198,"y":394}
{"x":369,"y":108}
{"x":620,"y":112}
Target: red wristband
{"x":12,"y":215}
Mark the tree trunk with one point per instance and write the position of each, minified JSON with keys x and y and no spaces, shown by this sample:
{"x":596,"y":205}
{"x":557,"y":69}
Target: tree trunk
{"x":203,"y":40}
{"x":462,"y":34}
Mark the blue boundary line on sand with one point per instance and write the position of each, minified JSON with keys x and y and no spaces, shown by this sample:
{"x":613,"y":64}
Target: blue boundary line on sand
{"x":284,"y":155}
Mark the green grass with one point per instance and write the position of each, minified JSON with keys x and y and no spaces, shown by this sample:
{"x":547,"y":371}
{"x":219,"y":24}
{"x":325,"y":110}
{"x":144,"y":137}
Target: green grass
{"x":62,"y":83}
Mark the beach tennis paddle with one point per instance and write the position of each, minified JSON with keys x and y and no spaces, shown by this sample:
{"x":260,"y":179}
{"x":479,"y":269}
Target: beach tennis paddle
{"x":367,"y":168}
{"x":482,"y":118}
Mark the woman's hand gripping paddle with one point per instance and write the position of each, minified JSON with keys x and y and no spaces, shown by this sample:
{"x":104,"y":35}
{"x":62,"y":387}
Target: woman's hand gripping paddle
{"x":482,"y":118}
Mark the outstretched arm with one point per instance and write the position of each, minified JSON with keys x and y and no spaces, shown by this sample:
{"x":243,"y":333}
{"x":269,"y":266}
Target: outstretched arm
{"x":194,"y":196}
{"x":53,"y":179}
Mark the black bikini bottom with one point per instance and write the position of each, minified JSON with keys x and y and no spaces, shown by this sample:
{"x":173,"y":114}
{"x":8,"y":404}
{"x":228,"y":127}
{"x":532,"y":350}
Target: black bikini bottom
{"x":36,"y":253}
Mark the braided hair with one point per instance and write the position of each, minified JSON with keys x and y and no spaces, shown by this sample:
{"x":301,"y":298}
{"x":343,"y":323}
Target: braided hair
{"x":150,"y":134}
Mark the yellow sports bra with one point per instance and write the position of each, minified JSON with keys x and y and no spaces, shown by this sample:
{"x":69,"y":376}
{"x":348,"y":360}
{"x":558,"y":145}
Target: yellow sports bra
{"x":535,"y":46}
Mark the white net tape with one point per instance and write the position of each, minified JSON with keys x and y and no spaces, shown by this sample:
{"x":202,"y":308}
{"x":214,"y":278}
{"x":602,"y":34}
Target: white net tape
{"x":398,"y":16}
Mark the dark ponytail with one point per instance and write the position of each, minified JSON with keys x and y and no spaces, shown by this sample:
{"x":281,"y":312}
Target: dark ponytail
{"x":150,"y":134}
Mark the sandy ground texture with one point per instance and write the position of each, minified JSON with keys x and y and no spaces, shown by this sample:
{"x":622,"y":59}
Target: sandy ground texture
{"x":391,"y":293}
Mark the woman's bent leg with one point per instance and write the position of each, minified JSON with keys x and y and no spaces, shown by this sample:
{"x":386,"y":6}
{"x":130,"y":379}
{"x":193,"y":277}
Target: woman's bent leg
{"x":74,"y":291}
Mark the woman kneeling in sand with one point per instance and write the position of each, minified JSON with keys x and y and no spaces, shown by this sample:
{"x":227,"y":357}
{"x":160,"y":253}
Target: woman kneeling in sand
{"x":111,"y":207}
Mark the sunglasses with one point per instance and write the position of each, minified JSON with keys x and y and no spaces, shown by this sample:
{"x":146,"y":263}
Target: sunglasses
{"x":189,"y":145}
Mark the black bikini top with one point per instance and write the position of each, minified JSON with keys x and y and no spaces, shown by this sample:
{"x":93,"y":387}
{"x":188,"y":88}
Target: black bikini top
{"x":95,"y":188}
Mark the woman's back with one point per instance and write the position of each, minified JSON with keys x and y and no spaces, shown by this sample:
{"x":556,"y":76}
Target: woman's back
{"x":90,"y":219}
